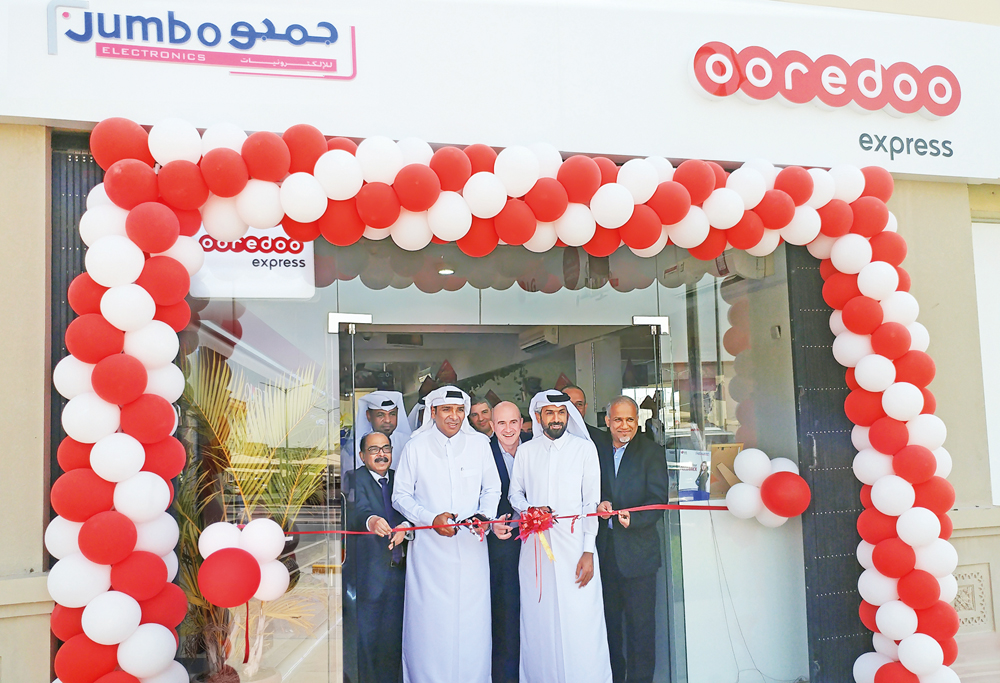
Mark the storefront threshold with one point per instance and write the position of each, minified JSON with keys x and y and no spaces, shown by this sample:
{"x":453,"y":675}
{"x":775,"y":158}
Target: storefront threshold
{"x":978,"y":657}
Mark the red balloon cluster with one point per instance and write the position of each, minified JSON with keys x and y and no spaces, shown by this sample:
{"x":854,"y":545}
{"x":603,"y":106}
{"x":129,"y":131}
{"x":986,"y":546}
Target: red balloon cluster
{"x":786,"y":494}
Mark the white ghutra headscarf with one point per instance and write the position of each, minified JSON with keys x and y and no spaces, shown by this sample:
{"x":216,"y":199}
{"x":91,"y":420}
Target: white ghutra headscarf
{"x":575,"y":424}
{"x":445,"y":396}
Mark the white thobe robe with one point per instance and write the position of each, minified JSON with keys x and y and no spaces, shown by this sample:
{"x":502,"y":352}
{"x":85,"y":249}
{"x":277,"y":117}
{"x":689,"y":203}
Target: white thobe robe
{"x":563,"y":634}
{"x":446,"y":608}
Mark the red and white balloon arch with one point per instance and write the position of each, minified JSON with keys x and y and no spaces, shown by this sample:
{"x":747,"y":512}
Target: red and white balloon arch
{"x":113,"y":537}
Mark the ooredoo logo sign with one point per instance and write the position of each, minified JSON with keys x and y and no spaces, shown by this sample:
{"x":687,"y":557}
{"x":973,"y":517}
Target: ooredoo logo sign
{"x":829,"y":80}
{"x":256,"y":266}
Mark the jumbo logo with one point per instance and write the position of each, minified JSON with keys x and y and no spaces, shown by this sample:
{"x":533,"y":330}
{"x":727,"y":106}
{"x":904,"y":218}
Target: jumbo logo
{"x":756,"y":73}
{"x":253,"y":245}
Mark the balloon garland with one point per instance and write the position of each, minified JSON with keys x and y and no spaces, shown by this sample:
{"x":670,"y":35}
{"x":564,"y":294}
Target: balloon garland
{"x":113,"y":537}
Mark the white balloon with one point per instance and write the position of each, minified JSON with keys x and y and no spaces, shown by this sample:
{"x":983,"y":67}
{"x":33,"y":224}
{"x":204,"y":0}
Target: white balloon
{"x":902,"y":401}
{"x":302,"y":197}
{"x":938,"y":558}
{"x":723,"y":208}
{"x":918,"y":526}
{"x":743,"y":500}
{"x":837,"y":325}
{"x":851,"y":253}
{"x":74,"y":580}
{"x":859,"y":437}
{"x":117,"y":457}
{"x":174,"y":673}
{"x":878,"y":280}
{"x":612,"y":205}
{"x":98,"y":196}
{"x":824,"y":188}
{"x":867,"y":665}
{"x":166,"y":381}
{"x":784,"y":465}
{"x":380,"y":159}
{"x":752,"y":466}
{"x":142,"y":497}
{"x":549,"y":159}
{"x":71,"y":377}
{"x":415,"y":151}
{"x":656,"y":248}
{"x":148,"y":651}
{"x":170,"y":559}
{"x":376,"y":234}
{"x":900,"y":307}
{"x":223,"y":135}
{"x":218,"y":536}
{"x":769,"y":241}
{"x":921,"y":654}
{"x":849,"y":182}
{"x":892,"y":495}
{"x":259,"y":204}
{"x":767,"y":171}
{"x":949,"y":588}
{"x":339,"y":174}
{"x":111,"y":617}
{"x":943,"y":458}
{"x":920,"y":339}
{"x":869,"y":466}
{"x":803,"y":228}
{"x":128,"y":307}
{"x":88,"y":418}
{"x":114,"y":260}
{"x":576,"y":226}
{"x":640,"y":178}
{"x":875,"y":588}
{"x":517,"y":168}
{"x":450,"y":217}
{"x":850,"y":348}
{"x":222,"y":220}
{"x":892,"y":224}
{"x":821,"y":246}
{"x":885,"y":646}
{"x":691,"y":230}
{"x":543,"y":239}
{"x":875,"y":373}
{"x":928,"y":431}
{"x":263,"y":538}
{"x":485,"y":194}
{"x":896,"y":620}
{"x":154,"y":345}
{"x":770,"y":519}
{"x":102,"y":220}
{"x":411,"y":231}
{"x":274,"y":581}
{"x":749,"y":184}
{"x":173,"y":140}
{"x":188,"y":252}
{"x":61,"y":537}
{"x":158,"y":536}
{"x":864,"y":554}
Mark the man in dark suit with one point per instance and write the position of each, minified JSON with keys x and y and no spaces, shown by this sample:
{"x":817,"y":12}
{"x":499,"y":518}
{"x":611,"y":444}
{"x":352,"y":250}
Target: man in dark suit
{"x":633,"y":473}
{"x":377,"y":568}
{"x":505,"y":592}
{"x":579,"y":399}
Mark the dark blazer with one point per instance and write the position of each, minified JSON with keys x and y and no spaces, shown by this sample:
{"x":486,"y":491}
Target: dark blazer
{"x":372,"y":554}
{"x":641,"y":480}
{"x":504,"y":507}
{"x":600,"y":437}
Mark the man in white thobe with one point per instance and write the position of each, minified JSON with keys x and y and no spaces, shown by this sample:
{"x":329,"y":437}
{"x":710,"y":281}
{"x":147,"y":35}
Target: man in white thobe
{"x":563,"y":634}
{"x":380,"y":411}
{"x":447,"y":474}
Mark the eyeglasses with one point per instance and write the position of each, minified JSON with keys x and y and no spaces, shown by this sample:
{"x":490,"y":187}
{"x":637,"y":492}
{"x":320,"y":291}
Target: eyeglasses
{"x":374,"y":450}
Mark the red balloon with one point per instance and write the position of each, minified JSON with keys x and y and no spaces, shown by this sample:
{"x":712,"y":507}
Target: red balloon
{"x":73,"y":455}
{"x":176,"y":315}
{"x":893,"y":558}
{"x":852,"y":382}
{"x":81,"y":660}
{"x":671,"y":202}
{"x":891,"y":340}
{"x":950,"y":648}
{"x":736,"y":340}
{"x":65,"y":622}
{"x":699,"y":179}
{"x":866,"y":496}
{"x":581,"y":176}
{"x":303,"y":232}
{"x":117,"y":677}
{"x":930,"y":403}
{"x":939,"y":621}
{"x":148,"y":419}
{"x":515,"y":224}
{"x":826,"y":269}
{"x":80,"y":494}
{"x":168,"y":607}
{"x":776,"y":209}
{"x":182,"y":185}
{"x":946,"y":526}
{"x":107,"y":538}
{"x":341,"y":225}
{"x":141,"y":575}
{"x":604,"y":242}
{"x":889,"y":247}
{"x":115,"y":139}
{"x":643,"y":229}
{"x":796,"y":182}
{"x":609,"y":170}
{"x":862,"y":315}
{"x":305,"y":146}
{"x":720,"y":174}
{"x":224,"y":171}
{"x":90,"y":338}
{"x":189,"y":221}
{"x":130,"y":182}
{"x":266,"y":156}
{"x":919,"y":589}
{"x":915,"y":464}
{"x":888,"y":435}
{"x":452,"y":167}
{"x":935,"y":494}
{"x":417,"y":187}
{"x":84,"y":295}
{"x":712,"y":247}
{"x":378,"y":205}
{"x":346,"y":144}
{"x":867,"y":613}
{"x":747,"y":232}
{"x":904,"y":280}
{"x":153,"y":227}
{"x":165,"y":458}
{"x":840,"y":288}
{"x":894,"y":672}
{"x":875,"y":527}
{"x":785,"y":494}
{"x":119,"y":379}
{"x":835,"y":218}
{"x":166,"y":280}
{"x":481,"y":239}
{"x":870,"y":216}
{"x":864,"y":407}
{"x":547,"y":199}
{"x":229,"y":577}
{"x":915,"y":367}
{"x":878,"y":183}
{"x":482,"y":158}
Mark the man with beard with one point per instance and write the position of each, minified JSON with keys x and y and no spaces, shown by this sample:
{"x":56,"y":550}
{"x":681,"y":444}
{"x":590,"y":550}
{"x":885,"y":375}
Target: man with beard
{"x":379,"y":411}
{"x":563,"y":637}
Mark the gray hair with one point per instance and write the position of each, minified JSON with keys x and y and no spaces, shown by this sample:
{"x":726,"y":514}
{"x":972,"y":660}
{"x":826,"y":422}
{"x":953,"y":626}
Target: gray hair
{"x":477,"y":401}
{"x":618,"y":400}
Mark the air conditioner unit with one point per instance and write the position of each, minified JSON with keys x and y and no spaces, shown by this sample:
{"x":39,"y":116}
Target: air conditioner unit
{"x":538,"y":338}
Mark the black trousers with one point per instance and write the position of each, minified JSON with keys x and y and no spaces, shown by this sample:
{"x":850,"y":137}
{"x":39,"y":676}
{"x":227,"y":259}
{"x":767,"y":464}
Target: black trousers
{"x":630,"y":615}
{"x":505,"y":598}
{"x":380,"y":637}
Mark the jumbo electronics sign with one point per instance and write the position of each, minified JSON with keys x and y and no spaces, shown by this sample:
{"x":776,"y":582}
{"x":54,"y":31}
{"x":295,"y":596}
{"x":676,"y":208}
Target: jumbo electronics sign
{"x":830,"y":80}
